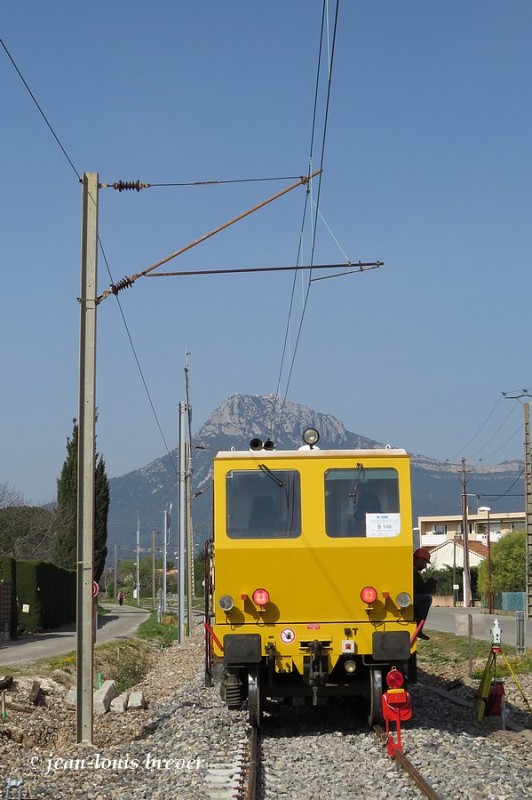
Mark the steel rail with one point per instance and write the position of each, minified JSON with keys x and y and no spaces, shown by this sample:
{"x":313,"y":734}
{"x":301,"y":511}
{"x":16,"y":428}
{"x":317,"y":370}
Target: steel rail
{"x":253,"y":771}
{"x":407,"y":765}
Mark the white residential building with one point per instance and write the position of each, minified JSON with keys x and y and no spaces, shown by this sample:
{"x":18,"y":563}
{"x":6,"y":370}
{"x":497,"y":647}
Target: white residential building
{"x":443,"y":535}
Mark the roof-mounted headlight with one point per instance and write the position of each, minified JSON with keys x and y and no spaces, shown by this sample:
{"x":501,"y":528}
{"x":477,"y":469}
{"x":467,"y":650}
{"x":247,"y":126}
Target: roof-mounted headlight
{"x":311,"y":436}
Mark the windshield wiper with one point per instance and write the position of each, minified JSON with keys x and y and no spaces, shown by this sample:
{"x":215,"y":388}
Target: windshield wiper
{"x":271,"y":475}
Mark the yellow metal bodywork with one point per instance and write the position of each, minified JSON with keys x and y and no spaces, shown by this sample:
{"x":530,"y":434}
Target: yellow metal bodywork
{"x":314,"y":581}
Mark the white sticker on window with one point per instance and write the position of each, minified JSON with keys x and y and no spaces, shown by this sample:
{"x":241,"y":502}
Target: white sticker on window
{"x":382,"y":525}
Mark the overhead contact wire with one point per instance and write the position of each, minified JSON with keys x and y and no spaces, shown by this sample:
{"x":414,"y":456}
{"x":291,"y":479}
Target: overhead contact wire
{"x":277,"y":414}
{"x":322,"y":158}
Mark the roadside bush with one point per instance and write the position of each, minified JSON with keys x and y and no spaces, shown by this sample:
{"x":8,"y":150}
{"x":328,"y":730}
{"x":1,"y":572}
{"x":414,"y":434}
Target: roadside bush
{"x":127,"y":664}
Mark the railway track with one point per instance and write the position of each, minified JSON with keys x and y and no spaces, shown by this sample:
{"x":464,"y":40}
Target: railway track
{"x":408,"y":767}
{"x":251,"y":784}
{"x":302,"y":753}
{"x":260,"y":777}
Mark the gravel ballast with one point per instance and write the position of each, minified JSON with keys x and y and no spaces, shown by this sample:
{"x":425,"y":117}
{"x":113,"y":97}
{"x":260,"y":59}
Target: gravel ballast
{"x":186,"y":744}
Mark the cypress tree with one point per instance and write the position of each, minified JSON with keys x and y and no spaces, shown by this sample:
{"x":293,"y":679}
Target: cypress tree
{"x":65,"y":541}
{"x":64,"y":550}
{"x":102,"y":495}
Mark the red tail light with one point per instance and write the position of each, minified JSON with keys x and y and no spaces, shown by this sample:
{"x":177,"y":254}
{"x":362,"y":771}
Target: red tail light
{"x":394,"y":679}
{"x":368,"y":595}
{"x":260,"y":597}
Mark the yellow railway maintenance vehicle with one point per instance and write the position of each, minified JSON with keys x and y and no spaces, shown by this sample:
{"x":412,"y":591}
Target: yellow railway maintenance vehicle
{"x":310,"y":576}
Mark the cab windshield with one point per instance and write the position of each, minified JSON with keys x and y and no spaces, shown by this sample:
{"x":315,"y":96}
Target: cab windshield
{"x":263,"y":504}
{"x":362,"y":502}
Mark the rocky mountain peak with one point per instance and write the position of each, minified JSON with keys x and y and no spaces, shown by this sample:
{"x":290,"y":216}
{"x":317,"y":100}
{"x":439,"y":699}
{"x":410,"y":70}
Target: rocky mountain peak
{"x":240,"y":418}
{"x":243,"y":417}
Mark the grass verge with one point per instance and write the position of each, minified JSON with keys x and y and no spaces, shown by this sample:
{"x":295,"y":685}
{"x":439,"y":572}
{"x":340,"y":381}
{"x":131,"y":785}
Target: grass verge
{"x":445,"y":652}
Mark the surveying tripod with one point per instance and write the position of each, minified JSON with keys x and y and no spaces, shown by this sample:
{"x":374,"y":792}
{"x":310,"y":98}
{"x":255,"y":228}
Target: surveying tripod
{"x":490,"y":695}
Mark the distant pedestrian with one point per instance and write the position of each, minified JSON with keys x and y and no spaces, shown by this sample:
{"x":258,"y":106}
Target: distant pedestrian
{"x":121,"y":598}
{"x":423,"y":589}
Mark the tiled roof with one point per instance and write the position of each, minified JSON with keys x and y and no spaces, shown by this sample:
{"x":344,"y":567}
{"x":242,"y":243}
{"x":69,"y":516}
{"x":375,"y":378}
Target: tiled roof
{"x":480,"y":549}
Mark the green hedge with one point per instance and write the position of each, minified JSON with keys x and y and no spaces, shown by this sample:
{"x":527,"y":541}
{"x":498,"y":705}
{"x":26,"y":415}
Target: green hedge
{"x":46,"y":595}
{"x":8,"y":575}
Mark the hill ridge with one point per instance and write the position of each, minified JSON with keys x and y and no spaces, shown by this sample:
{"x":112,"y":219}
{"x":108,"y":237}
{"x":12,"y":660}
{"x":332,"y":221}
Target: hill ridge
{"x":238,"y":419}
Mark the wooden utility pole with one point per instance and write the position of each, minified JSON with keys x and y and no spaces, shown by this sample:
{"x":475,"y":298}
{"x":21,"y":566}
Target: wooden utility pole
{"x":86,"y":459}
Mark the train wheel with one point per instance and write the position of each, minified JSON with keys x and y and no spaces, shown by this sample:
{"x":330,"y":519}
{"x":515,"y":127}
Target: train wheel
{"x":254,"y":700}
{"x":374,"y":697}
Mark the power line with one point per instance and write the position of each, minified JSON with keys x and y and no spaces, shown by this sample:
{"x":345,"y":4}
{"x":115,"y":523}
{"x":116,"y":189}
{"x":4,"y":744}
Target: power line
{"x":490,"y":438}
{"x":496,"y":497}
{"x":509,"y":439}
{"x":63,"y":150}
{"x":41,"y":112}
{"x":493,"y":435}
{"x":121,"y":186}
{"x":137,"y":362}
{"x":464,"y":448}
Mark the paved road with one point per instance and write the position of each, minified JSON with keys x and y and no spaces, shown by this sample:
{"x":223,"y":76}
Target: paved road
{"x":119,"y":623}
{"x":455,"y":620}
{"x":122,"y":622}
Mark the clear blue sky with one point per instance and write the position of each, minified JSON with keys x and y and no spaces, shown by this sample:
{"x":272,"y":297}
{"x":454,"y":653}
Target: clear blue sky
{"x":427,"y":167}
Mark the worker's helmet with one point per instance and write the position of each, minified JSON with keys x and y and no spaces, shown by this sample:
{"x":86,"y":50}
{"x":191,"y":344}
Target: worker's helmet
{"x":423,"y":553}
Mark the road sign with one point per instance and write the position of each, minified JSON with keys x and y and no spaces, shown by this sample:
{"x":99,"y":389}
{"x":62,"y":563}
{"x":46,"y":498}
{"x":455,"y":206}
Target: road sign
{"x":95,"y":589}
